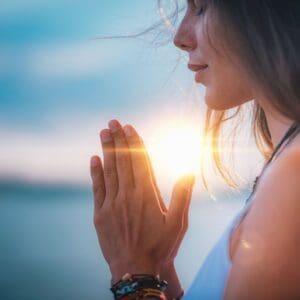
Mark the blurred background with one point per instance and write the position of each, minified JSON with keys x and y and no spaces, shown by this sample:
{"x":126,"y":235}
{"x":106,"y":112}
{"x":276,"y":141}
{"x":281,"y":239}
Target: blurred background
{"x":59,"y":86}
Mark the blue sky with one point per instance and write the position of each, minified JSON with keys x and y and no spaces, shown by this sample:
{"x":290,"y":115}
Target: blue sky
{"x":48,"y":61}
{"x":59,"y":86}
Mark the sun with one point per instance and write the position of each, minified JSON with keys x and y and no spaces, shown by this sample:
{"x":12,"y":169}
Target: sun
{"x":176,"y":150}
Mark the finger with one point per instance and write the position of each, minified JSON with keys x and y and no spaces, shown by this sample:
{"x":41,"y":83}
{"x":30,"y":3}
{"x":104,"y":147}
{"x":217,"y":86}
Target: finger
{"x":97,"y":175}
{"x":109,"y":169}
{"x":122,"y":154}
{"x":140,"y":167}
{"x":147,"y":162}
{"x":180,"y":201}
{"x":161,"y":201}
{"x":186,"y":209}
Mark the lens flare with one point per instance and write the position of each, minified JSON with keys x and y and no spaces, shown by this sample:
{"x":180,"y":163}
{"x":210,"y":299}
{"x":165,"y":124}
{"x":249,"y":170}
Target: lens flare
{"x":176,"y":151}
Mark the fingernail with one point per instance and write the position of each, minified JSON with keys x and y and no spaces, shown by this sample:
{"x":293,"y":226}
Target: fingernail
{"x":94,"y":161}
{"x":114,"y":125}
{"x":128,"y":130}
{"x":105,"y":136}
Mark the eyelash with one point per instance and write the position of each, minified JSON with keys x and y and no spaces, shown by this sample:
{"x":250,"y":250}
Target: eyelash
{"x":199,"y":11}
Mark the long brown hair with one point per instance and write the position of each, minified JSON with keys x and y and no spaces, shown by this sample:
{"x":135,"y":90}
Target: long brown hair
{"x":265,"y":37}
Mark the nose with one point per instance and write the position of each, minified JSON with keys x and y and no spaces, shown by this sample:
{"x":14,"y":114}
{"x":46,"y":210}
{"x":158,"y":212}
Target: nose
{"x":184,"y":38}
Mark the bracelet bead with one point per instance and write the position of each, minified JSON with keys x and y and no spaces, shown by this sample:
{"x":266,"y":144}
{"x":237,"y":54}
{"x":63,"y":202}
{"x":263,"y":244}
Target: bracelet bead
{"x":139,"y":286}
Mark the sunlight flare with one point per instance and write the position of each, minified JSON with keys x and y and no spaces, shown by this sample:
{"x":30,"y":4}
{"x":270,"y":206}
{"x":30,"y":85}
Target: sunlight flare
{"x":176,"y":150}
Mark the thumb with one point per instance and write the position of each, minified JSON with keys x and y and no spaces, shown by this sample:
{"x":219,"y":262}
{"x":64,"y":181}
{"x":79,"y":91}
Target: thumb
{"x":181,"y":198}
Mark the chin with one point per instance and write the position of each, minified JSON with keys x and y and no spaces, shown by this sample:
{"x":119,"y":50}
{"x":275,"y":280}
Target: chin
{"x":219,"y":103}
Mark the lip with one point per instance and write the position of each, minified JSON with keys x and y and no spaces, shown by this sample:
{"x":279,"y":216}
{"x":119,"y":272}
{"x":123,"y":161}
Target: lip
{"x":197,"y":67}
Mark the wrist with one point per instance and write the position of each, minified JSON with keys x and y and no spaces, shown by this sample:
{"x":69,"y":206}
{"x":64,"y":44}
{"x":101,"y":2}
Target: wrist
{"x":118,"y":269}
{"x":168,"y":273}
{"x":136,"y":286}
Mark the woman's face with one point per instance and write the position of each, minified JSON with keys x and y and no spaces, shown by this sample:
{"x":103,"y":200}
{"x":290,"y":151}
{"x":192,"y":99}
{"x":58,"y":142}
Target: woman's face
{"x":225,"y":84}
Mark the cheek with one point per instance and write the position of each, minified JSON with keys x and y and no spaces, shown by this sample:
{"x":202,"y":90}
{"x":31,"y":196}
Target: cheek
{"x":226,"y":88}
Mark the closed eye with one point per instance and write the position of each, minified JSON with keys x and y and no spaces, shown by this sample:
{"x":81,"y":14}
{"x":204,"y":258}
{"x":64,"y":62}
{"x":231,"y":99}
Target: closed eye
{"x":200,"y":10}
{"x":197,"y":5}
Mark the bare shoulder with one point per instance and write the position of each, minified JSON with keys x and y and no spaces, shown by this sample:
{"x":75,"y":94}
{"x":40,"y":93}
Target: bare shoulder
{"x":279,"y":186}
{"x":266,"y":263}
{"x":277,"y":195}
{"x":276,"y":203}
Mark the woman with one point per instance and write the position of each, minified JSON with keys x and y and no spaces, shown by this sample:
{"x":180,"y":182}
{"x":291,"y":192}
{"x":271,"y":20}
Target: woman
{"x":242,"y":51}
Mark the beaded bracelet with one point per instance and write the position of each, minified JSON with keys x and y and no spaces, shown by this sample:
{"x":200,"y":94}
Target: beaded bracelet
{"x":141,"y":294}
{"x":145,"y":293}
{"x":139,"y":286}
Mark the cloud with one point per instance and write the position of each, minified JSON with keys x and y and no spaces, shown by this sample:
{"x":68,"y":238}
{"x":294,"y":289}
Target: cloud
{"x":58,"y":156}
{"x":70,"y":60}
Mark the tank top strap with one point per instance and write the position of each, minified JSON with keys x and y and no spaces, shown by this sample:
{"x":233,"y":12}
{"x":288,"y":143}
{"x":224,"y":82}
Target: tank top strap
{"x":288,"y":136}
{"x":293,"y":130}
{"x":292,"y":135}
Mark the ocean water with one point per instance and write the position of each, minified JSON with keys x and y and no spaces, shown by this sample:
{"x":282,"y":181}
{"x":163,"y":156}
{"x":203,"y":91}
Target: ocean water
{"x":49,"y":248}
